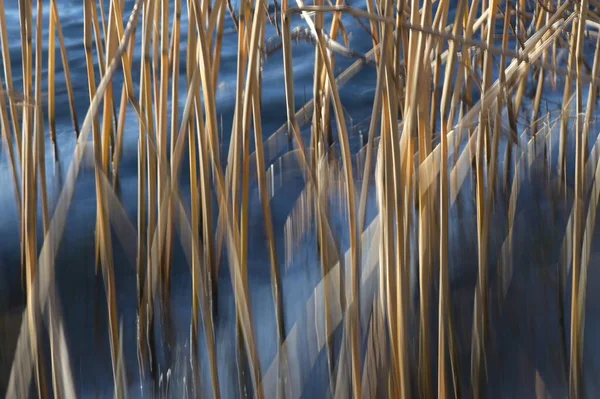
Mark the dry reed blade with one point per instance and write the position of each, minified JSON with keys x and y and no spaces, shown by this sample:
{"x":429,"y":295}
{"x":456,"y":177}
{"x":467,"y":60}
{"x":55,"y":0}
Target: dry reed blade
{"x":39,"y":151}
{"x":304,"y":160}
{"x":369,"y":374}
{"x":99,"y":35}
{"x":436,"y":49}
{"x":51,"y":81}
{"x":320,"y":141}
{"x":155,"y":42}
{"x":62,"y":382}
{"x":143,"y":227}
{"x":7,"y":141}
{"x":252,"y":98}
{"x":336,"y":25}
{"x":576,"y":346}
{"x":176,"y":28}
{"x":534,"y":47}
{"x":164,"y":226}
{"x":106,"y":260}
{"x":103,"y":236}
{"x":232,"y":234}
{"x":443,"y":308}
{"x":149,"y":91}
{"x":373,"y":125}
{"x":327,"y":256}
{"x":127,"y":62}
{"x":220,"y":29}
{"x":103,"y":143}
{"x":127,"y":95}
{"x":108,"y":114}
{"x":410,"y":65}
{"x":427,"y":225}
{"x":538,"y":97}
{"x":29,"y":214}
{"x":398,"y":159}
{"x":207,"y":227}
{"x":195,"y":219}
{"x":197,"y":128}
{"x":562,"y":151}
{"x":591,"y":213}
{"x":241,"y":62}
{"x":279,"y":140}
{"x":116,"y":158}
{"x":9,"y":80}
{"x":42,"y":282}
{"x":65,"y":65}
{"x":91,"y":75}
{"x":480,"y":321}
{"x":497,"y":121}
{"x":293,"y":120}
{"x":121,"y":382}
{"x":354,"y":245}
{"x":274,"y":259}
{"x":385,"y":182}
{"x":241,"y":154}
{"x":236,"y":177}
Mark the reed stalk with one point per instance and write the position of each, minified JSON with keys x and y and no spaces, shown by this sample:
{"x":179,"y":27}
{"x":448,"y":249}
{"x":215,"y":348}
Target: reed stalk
{"x":383,"y":280}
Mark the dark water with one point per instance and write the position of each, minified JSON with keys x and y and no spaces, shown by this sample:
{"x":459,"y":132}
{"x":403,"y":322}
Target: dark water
{"x":81,"y":291}
{"x":526,"y":329}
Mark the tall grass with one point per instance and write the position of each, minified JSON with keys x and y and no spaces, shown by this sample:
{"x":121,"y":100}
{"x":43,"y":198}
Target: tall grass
{"x":428,"y":135}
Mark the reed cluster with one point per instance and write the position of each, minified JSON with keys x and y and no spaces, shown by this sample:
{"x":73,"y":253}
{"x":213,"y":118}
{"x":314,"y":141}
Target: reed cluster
{"x":450,"y":107}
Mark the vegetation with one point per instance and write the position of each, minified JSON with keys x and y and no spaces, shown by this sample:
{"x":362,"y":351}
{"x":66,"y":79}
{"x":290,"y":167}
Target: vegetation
{"x":450,"y":103}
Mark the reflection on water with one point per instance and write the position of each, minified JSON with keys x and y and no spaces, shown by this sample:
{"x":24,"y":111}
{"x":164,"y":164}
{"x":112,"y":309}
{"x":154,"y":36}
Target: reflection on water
{"x":527,"y":342}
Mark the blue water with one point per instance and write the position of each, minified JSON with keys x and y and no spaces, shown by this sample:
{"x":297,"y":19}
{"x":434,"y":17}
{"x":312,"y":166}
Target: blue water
{"x":82,"y":294}
{"x":81,"y":291}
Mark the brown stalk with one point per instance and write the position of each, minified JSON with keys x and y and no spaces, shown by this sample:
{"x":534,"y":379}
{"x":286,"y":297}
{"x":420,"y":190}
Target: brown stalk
{"x":576,"y":358}
{"x":42,"y":281}
{"x":7,"y":141}
{"x":127,"y":95}
{"x":562,"y":155}
{"x":103,"y":237}
{"x":444,"y":315}
{"x":163,"y":258}
{"x":147,"y":135}
{"x":99,"y":35}
{"x":480,"y":322}
{"x":29,"y":215}
{"x":232,"y":234}
{"x":65,"y":64}
{"x":232,"y":172}
{"x":51,"y":83}
{"x":591,"y":213}
{"x":426,"y":221}
{"x":355,"y":260}
{"x":206,"y":206}
{"x":274,"y":259}
{"x":9,"y":80}
{"x":195,"y":219}
{"x":293,"y":122}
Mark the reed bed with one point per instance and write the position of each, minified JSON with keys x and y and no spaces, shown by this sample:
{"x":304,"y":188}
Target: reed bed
{"x":459,"y":116}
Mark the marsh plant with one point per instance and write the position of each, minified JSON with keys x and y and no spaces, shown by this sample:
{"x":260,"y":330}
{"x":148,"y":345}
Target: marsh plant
{"x":472,"y":180}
